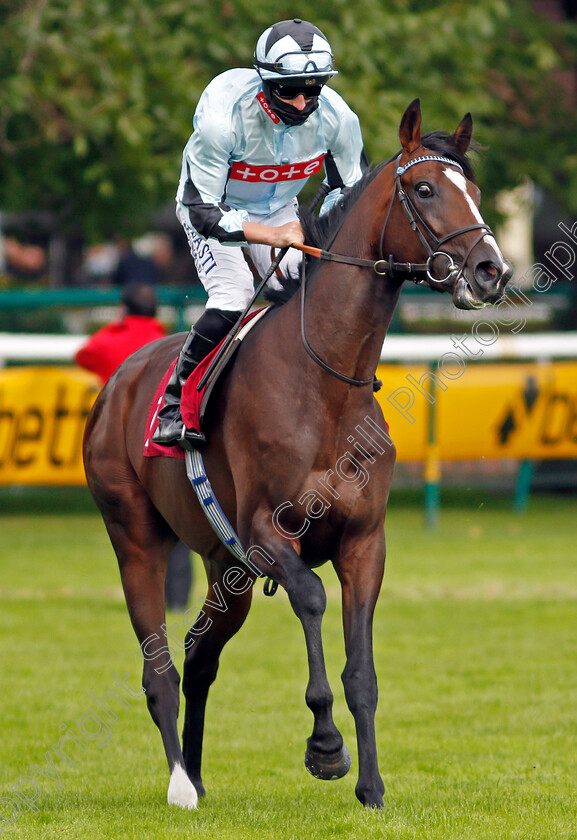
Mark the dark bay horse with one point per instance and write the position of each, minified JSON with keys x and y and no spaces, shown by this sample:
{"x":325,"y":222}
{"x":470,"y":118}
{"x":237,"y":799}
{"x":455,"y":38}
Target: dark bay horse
{"x":299,"y":456}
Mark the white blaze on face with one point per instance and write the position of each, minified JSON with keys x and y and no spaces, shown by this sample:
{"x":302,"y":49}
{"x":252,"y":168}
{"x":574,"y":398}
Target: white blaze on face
{"x":461,"y":182}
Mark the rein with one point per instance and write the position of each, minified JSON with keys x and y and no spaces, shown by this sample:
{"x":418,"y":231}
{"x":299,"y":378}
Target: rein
{"x":348,"y":379}
{"x":416,"y":272}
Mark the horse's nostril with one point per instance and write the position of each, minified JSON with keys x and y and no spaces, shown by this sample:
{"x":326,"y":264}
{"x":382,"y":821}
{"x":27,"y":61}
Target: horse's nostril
{"x":487,"y":272}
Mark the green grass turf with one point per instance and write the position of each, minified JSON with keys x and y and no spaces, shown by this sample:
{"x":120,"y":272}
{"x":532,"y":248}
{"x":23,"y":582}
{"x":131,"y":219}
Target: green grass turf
{"x":475,"y":643}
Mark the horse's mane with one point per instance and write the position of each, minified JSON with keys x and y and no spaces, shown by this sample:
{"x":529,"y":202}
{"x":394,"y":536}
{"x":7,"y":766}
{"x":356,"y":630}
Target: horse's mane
{"x":320,"y":231}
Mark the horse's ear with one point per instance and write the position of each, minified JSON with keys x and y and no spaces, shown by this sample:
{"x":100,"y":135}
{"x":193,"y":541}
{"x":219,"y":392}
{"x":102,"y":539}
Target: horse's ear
{"x":463,"y":133}
{"x":410,"y":128}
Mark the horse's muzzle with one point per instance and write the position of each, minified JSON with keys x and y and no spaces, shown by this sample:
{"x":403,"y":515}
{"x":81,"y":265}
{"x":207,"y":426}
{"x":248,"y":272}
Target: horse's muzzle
{"x":484,"y":285}
{"x":464,"y":297}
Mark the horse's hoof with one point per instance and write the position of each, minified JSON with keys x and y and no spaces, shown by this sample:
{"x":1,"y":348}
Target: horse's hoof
{"x":181,"y":791}
{"x":371,"y":797}
{"x":376,"y":803}
{"x":328,"y":766}
{"x":199,"y":787}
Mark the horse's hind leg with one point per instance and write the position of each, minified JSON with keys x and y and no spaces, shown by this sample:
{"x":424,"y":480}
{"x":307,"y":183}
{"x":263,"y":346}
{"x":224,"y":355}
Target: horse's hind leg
{"x":223,"y":613}
{"x":142,"y":541}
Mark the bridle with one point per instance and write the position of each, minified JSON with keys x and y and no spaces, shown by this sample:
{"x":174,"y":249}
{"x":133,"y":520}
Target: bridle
{"x":418,"y":273}
{"x":418,"y":225}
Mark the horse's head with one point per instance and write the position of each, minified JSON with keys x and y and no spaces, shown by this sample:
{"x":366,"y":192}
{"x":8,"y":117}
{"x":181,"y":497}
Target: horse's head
{"x":440,"y":201}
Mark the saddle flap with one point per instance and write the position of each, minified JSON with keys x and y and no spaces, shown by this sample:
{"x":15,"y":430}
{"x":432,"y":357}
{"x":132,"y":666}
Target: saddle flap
{"x":193,"y":402}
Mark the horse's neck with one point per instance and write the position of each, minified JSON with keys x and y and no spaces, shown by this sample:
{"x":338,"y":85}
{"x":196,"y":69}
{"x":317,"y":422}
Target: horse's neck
{"x":349,"y":308}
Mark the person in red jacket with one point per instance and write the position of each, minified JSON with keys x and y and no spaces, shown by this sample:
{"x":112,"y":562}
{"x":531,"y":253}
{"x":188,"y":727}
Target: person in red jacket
{"x":102,"y":354}
{"x":112,"y":344}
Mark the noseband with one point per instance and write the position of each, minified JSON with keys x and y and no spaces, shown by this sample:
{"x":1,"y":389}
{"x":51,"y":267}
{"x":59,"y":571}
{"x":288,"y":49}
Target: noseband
{"x":418,"y":273}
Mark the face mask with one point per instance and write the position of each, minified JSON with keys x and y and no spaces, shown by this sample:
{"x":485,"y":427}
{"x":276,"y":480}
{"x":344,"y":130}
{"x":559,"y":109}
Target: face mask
{"x":288,"y":113}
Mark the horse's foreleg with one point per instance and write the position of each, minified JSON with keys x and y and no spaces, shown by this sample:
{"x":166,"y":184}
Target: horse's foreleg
{"x":222,"y":615}
{"x":326,"y":756}
{"x":142,"y":541}
{"x":360,"y":569}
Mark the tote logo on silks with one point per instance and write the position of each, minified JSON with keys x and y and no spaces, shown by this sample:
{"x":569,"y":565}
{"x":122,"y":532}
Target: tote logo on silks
{"x":266,"y":107}
{"x":272,"y":174}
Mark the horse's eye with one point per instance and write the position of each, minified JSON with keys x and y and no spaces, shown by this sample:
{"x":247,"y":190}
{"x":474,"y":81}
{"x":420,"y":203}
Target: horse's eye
{"x":423,"y":190}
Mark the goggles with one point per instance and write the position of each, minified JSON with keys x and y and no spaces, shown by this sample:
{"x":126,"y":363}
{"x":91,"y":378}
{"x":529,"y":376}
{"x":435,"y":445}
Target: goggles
{"x":297,"y":63}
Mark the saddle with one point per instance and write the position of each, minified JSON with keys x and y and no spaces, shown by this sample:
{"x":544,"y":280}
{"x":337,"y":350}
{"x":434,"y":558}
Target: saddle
{"x":194,"y":403}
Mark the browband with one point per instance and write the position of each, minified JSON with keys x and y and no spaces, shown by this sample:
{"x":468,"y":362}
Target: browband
{"x":400,"y":170}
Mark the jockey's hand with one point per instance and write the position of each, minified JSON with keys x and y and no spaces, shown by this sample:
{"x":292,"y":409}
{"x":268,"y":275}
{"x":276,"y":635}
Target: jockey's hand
{"x":288,"y":233}
{"x":277,"y":237}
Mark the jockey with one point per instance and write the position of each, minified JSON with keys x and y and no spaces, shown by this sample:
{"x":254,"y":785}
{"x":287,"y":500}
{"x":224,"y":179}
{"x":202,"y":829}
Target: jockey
{"x":258,"y":137}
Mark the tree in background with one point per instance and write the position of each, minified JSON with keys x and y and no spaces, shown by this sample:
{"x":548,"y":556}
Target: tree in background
{"x":96,"y":98}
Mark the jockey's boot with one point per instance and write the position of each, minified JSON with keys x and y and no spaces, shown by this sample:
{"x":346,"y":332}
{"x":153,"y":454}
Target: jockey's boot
{"x":170,"y":427}
{"x":214,"y":324}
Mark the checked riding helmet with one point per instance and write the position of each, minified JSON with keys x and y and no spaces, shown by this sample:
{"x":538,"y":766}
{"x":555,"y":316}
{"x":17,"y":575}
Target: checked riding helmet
{"x":293,"y":57}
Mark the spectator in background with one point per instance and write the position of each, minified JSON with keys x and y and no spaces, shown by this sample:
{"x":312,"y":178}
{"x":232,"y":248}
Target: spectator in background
{"x":17,"y":260}
{"x":149,"y":260}
{"x":112,"y":344}
{"x":102,"y":354}
{"x":98,"y":266}
{"x":145,"y":261}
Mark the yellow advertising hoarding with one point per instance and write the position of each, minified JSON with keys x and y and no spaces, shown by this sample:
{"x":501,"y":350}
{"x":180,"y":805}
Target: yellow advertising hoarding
{"x":43,"y":412}
{"x":493,"y":410}
{"x":518,"y":410}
